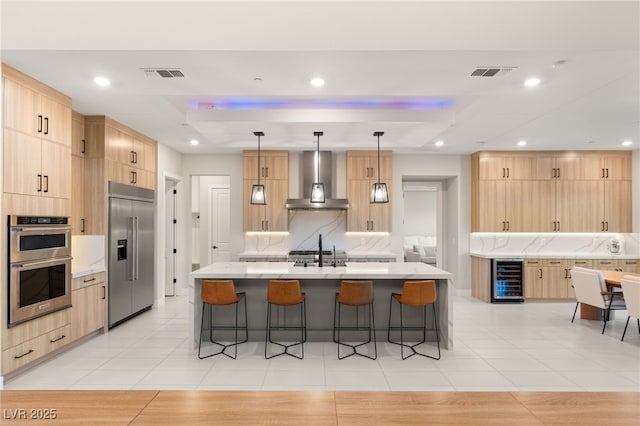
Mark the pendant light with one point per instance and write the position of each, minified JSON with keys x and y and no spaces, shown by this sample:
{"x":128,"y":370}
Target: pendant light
{"x":317,"y":189}
{"x":258,"y":195}
{"x":379,"y":192}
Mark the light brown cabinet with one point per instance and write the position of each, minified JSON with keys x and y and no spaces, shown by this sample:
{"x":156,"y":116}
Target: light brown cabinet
{"x":37,"y":140}
{"x":89,"y":299}
{"x":274,"y":175}
{"x":563,"y":192}
{"x":31,"y":340}
{"x":362,"y":173}
{"x":78,"y":147}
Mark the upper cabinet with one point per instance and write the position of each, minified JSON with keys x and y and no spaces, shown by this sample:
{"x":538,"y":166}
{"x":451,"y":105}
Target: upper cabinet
{"x":37,"y":144}
{"x":362,"y":173}
{"x":130,"y":157}
{"x":273,"y":170}
{"x":551,"y":192}
{"x":78,"y":148}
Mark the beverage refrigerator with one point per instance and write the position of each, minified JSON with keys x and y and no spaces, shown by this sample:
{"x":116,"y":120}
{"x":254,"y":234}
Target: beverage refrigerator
{"x":507,"y":281}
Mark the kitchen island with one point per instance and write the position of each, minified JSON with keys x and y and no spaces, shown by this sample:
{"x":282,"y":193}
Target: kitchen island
{"x":320,"y":286}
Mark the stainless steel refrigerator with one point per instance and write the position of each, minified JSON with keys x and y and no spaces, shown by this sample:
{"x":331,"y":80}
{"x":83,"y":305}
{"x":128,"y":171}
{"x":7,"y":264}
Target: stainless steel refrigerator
{"x":131,"y":251}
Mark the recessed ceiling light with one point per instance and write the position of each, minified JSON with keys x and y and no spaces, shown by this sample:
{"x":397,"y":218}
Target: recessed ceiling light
{"x":317,"y":82}
{"x":532,"y":82}
{"x":439,"y":143}
{"x":194,"y":142}
{"x":522,"y":143}
{"x":102,"y":81}
{"x":627,"y":143}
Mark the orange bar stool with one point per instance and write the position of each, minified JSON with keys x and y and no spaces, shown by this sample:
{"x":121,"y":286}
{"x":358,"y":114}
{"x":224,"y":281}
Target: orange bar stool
{"x":415,"y":293}
{"x":287,"y":294}
{"x":357,"y":294}
{"x":220,"y":293}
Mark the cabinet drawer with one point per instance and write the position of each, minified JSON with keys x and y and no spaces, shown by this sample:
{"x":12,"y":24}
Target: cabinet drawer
{"x":583,"y":263}
{"x":554,"y":262}
{"x":604,"y":264}
{"x":33,"y":349}
{"x":34,"y":328}
{"x":533,"y":262}
{"x":87,"y":280}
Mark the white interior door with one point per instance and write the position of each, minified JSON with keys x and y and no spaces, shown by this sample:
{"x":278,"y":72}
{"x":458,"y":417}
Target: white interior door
{"x":220,"y":222}
{"x":170,"y":238}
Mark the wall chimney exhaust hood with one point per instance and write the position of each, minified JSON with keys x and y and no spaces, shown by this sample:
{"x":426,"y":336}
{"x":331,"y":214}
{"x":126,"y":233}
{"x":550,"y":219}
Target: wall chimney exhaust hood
{"x":308,"y":172}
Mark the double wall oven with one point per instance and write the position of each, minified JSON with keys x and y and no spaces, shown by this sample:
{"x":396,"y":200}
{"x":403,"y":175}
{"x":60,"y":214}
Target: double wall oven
{"x":39,"y":266}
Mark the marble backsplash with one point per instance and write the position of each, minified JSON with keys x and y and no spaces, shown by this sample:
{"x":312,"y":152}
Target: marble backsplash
{"x":552,"y":243}
{"x":304,"y":227}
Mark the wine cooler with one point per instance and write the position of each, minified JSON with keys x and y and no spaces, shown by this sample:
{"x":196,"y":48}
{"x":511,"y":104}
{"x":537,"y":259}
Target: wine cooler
{"x":506,"y":281}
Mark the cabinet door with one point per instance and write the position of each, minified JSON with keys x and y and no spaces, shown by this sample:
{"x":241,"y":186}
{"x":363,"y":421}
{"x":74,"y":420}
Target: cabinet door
{"x":577,"y":207}
{"x":358,"y":215}
{"x":386,"y":166}
{"x":492,"y":168}
{"x":276,"y":213}
{"x":617,"y":205}
{"x":577,"y":166}
{"x":583,"y":263}
{"x":77,"y":195}
{"x":618,"y":166}
{"x":88,"y":310}
{"x":57,"y":121}
{"x":22,"y":168}
{"x":358,"y":166}
{"x":554,"y":281}
{"x":532,"y":279}
{"x":276,"y":166}
{"x":119,"y":146}
{"x":492,"y":206}
{"x":543,"y":167}
{"x":530,"y":205}
{"x":20,"y":108}
{"x":253,"y":215}
{"x":628,"y":265}
{"x":518,"y":167}
{"x":78,"y":143}
{"x":144,"y":155}
{"x":120,"y":173}
{"x":56,"y":170}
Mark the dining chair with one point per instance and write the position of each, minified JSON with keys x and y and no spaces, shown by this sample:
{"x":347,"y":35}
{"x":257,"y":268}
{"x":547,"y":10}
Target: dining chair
{"x":631,"y":291}
{"x":591,"y":289}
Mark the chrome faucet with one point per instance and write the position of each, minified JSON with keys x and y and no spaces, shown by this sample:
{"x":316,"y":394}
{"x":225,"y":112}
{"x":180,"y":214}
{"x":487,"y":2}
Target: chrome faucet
{"x":319,"y":250}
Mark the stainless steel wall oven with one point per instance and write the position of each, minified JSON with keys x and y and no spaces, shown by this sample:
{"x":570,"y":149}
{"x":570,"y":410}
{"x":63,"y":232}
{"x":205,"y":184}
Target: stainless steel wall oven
{"x":39,"y":266}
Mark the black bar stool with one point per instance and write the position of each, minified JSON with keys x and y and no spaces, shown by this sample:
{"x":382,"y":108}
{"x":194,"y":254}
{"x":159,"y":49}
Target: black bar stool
{"x":285,"y":293}
{"x":415,"y":293}
{"x":219,"y":293}
{"x":357,"y":294}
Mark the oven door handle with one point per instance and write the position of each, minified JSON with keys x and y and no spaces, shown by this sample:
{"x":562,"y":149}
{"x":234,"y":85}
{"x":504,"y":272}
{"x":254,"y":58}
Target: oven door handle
{"x":52,"y":261}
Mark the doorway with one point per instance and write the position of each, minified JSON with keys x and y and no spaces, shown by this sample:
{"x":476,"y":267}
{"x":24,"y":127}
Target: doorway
{"x":423,"y":221}
{"x":211,"y":220}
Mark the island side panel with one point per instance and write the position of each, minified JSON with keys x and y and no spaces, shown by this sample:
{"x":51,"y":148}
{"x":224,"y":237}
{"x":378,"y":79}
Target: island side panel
{"x":320,"y":299}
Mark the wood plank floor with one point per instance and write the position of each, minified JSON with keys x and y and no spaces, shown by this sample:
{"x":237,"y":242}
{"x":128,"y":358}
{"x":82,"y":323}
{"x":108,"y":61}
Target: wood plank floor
{"x":321,"y":408}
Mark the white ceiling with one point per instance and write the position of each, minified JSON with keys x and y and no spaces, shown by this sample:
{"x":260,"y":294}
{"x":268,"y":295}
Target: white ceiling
{"x":390,"y":52}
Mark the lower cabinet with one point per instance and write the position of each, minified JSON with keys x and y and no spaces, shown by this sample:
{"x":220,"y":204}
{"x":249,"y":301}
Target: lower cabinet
{"x":89,"y":300}
{"x":31,"y":340}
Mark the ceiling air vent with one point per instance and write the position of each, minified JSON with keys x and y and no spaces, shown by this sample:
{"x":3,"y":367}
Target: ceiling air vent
{"x":491,"y":71}
{"x":163,"y":72}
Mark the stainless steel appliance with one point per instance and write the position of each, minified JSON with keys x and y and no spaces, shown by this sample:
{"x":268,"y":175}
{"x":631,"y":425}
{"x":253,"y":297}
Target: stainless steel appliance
{"x":39,"y":266}
{"x":131,"y":251}
{"x":507,"y":281}
{"x":311,"y":257}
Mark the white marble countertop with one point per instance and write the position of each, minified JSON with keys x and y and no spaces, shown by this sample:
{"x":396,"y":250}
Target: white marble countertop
{"x":262,"y":254}
{"x":554,"y":256}
{"x":371,"y":254}
{"x":83,"y":270}
{"x":368,"y":270}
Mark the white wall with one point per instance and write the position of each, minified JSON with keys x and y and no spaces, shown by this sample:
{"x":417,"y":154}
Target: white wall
{"x":420,"y":208}
{"x":455,"y":172}
{"x":169,"y":166}
{"x":635,"y":190}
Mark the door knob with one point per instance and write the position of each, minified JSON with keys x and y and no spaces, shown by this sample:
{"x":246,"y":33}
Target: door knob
{"x":214,"y":247}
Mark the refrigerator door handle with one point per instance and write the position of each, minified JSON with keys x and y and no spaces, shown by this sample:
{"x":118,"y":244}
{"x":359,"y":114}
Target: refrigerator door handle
{"x":135,"y":248}
{"x":130,"y":255}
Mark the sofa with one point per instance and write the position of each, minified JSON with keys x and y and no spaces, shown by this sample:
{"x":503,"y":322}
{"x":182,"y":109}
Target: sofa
{"x":420,"y":248}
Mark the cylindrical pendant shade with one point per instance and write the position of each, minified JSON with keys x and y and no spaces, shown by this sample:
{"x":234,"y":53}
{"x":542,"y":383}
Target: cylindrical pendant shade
{"x":379,"y":193}
{"x":258,"y":195}
{"x":317,"y":193}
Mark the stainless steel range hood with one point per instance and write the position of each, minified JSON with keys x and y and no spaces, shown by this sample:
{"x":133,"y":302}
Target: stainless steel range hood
{"x":308,"y":173}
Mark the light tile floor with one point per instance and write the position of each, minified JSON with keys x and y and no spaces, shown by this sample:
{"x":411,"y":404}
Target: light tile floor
{"x":523,"y":347}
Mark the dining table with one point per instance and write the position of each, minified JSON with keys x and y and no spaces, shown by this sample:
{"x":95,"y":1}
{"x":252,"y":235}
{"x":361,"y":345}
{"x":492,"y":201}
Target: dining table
{"x":612,"y":279}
